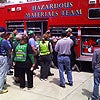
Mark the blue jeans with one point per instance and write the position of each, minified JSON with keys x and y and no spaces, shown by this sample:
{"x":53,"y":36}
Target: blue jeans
{"x":9,"y":61}
{"x":95,"y":95}
{"x":3,"y":70}
{"x":64,"y":61}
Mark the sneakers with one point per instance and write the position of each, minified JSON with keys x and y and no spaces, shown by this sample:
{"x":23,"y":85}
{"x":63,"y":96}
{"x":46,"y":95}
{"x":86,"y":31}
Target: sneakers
{"x":22,"y":89}
{"x":44,"y":79}
{"x":3,"y":91}
{"x":4,"y":87}
{"x":41,"y":79}
{"x":9,"y":73}
{"x":63,"y":86}
{"x":30,"y":88}
{"x":70,"y":84}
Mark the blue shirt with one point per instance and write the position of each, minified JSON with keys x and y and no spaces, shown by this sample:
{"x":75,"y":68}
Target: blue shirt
{"x":32,"y":42}
{"x":5,"y":47}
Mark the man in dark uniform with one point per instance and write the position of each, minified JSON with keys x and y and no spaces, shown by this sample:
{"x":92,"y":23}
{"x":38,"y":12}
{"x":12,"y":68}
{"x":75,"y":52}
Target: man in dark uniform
{"x":73,"y":53}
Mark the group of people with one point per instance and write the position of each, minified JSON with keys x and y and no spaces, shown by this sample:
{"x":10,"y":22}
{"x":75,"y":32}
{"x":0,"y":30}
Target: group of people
{"x":26,"y":52}
{"x":23,"y":52}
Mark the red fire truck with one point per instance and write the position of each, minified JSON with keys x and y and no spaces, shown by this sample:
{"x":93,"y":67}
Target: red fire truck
{"x":83,"y":16}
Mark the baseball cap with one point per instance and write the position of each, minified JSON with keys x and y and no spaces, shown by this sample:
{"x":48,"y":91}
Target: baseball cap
{"x":69,"y":30}
{"x":30,"y":32}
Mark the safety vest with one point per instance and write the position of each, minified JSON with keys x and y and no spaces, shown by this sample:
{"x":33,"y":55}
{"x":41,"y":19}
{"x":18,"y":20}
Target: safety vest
{"x":20,"y":53}
{"x":1,"y":40}
{"x":44,"y":48}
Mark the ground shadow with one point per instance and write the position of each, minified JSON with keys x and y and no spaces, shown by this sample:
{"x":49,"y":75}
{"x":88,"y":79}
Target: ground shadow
{"x":37,"y":75}
{"x":55,"y":81}
{"x":17,"y":84}
{"x":7,"y":85}
{"x":86,"y":93}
